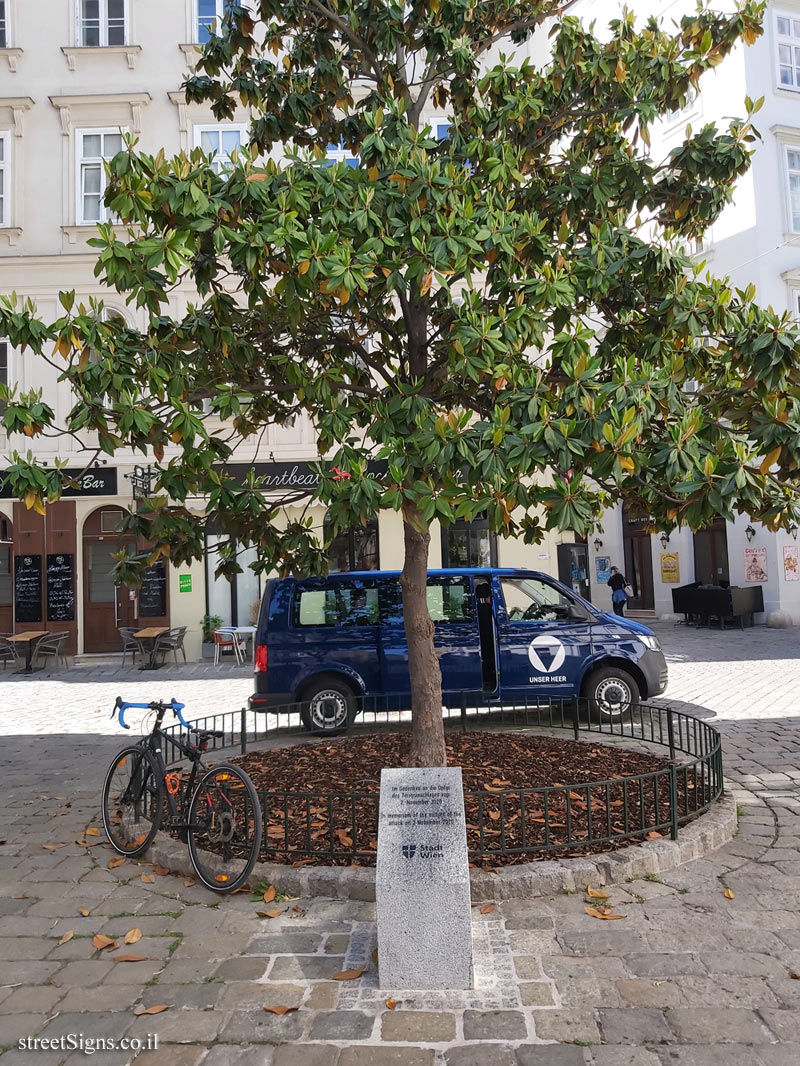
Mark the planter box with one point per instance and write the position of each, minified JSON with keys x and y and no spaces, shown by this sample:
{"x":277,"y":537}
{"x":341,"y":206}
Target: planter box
{"x":208,"y":650}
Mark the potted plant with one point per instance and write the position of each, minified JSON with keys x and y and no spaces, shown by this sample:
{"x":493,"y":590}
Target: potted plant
{"x":208,"y":624}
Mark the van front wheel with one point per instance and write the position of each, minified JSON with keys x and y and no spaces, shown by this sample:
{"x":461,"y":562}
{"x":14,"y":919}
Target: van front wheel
{"x":328,"y":706}
{"x":612,"y":693}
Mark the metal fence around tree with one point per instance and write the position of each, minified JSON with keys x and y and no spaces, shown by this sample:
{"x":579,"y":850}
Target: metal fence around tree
{"x":509,"y":823}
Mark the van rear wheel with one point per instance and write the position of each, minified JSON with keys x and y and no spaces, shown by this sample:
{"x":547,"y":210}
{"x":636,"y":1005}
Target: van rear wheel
{"x":328,"y":706}
{"x":612,"y":694}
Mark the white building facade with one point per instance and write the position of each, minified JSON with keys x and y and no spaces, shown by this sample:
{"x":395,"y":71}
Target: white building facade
{"x":71,"y":84}
{"x":755,"y":241}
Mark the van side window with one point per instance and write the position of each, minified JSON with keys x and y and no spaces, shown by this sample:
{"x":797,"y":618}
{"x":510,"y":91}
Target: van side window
{"x":350,"y":603}
{"x":450,"y":599}
{"x":528,"y":599}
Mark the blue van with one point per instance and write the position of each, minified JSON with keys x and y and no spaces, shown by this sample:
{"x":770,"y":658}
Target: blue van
{"x":501,"y":635}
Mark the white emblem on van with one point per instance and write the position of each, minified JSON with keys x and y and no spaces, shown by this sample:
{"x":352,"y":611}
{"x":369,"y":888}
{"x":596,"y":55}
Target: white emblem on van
{"x":546,"y":654}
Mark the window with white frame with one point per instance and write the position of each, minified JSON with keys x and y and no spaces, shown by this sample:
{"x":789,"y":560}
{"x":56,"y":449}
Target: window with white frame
{"x":787,"y":35}
{"x":4,"y":34}
{"x":793,"y":182}
{"x":5,"y":179}
{"x":209,"y":17}
{"x":220,"y":142}
{"x":337,"y":153}
{"x":794,"y":306}
{"x":101,"y":23}
{"x":93,"y":149}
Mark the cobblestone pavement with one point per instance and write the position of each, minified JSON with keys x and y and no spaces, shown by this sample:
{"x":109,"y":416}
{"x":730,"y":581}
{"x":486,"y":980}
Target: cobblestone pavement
{"x":689,"y":977}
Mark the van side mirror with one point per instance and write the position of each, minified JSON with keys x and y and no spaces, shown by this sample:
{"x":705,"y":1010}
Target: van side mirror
{"x":576,"y":613}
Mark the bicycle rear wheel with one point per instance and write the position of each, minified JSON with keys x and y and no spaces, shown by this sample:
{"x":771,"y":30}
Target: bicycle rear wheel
{"x":224,"y":830}
{"x":133,"y":801}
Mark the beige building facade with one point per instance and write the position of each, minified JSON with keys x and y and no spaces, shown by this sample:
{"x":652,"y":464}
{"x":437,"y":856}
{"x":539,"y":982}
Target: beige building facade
{"x":71,"y":84}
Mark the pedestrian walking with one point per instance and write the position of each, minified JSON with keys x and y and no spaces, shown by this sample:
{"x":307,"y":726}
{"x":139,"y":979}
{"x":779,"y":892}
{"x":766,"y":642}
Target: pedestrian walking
{"x":618,"y":585}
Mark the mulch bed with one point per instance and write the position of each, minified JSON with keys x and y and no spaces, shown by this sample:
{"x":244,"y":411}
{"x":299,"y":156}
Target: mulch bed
{"x":321,"y":799}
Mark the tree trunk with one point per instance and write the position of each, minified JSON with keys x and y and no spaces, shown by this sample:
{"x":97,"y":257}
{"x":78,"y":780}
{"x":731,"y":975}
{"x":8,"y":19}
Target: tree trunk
{"x":427,"y":726}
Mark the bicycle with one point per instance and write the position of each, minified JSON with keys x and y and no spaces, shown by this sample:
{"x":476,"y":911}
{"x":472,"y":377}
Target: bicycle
{"x":219,"y":819}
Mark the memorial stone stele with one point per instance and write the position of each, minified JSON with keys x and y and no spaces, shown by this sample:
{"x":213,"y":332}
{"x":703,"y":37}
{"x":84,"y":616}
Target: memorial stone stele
{"x":422,"y":883}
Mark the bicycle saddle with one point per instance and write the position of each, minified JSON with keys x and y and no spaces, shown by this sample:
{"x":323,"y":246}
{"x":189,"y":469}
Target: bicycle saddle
{"x":206,"y":734}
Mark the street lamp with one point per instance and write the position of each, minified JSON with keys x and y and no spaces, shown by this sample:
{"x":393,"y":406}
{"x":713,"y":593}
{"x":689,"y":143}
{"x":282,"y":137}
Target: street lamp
{"x":749,"y":533}
{"x":598,"y":544}
{"x":793,"y":530}
{"x":664,"y":538}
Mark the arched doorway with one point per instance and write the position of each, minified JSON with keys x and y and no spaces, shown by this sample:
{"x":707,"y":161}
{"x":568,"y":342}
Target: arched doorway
{"x":106,"y":606}
{"x":6,"y":571}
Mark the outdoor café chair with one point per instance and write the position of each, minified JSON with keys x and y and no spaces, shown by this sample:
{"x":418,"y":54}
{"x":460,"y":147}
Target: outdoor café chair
{"x":227,"y":640}
{"x":51,"y":646}
{"x":172,"y":641}
{"x":129,"y":643}
{"x":8,"y":651}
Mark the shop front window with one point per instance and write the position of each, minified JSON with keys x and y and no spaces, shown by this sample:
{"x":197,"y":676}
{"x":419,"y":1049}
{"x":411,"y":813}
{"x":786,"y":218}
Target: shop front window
{"x":236,"y":601}
{"x":354,"y":549}
{"x":469,"y":544}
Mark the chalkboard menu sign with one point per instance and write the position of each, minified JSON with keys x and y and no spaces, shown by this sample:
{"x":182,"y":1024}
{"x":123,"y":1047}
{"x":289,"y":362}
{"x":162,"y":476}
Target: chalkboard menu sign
{"x":153,"y":591}
{"x":60,"y":588}
{"x":28,"y":588}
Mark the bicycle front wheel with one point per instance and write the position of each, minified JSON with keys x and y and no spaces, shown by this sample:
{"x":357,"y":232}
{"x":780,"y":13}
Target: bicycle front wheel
{"x":133,"y":800}
{"x":224,"y":830}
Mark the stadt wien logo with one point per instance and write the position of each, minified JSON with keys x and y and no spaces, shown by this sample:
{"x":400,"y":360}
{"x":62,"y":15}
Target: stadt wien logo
{"x":409,"y":850}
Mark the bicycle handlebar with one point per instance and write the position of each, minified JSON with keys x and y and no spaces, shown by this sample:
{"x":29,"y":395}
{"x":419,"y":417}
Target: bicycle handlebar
{"x":121,"y":707}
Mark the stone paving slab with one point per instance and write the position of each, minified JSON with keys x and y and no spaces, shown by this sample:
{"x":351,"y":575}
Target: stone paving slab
{"x":688,"y":977}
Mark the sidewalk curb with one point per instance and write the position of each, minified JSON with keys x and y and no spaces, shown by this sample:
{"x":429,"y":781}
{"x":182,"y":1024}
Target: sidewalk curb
{"x":545,"y":878}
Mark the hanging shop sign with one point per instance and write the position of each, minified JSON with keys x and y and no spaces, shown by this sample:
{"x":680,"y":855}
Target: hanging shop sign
{"x":99,"y":481}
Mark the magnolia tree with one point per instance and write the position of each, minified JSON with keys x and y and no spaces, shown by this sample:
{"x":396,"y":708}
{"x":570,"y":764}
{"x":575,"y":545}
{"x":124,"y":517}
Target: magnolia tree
{"x":504,"y":315}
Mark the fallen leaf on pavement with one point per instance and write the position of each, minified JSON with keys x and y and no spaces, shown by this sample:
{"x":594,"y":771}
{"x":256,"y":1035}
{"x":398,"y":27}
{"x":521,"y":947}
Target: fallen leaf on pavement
{"x":129,"y":958}
{"x":153,"y":1010}
{"x":84,"y":912}
{"x":114,"y":863}
{"x":92,"y":831}
{"x":53,"y":847}
{"x":189,"y":881}
{"x":269,"y":914}
{"x":278,"y":1009}
{"x":148,"y":879}
{"x":391,"y":1003}
{"x":348,"y":975}
{"x":375,"y":956}
{"x":595,"y":893}
{"x":729,"y":893}
{"x":162,"y":871}
{"x":66,"y":937}
{"x":795,"y":976}
{"x":302,"y":862}
{"x":653,"y":835}
{"x":270,"y":894}
{"x":487,"y":908}
{"x":101,"y":941}
{"x":133,"y":935}
{"x":603,"y":912}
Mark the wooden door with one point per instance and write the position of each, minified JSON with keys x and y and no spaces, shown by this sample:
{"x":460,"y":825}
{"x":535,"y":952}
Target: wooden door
{"x":711,"y":553}
{"x":106,"y":606}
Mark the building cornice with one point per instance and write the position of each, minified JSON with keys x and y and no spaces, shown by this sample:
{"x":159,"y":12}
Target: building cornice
{"x":11,"y":234}
{"x":130,"y":51}
{"x":785,"y":133}
{"x":67,"y":104}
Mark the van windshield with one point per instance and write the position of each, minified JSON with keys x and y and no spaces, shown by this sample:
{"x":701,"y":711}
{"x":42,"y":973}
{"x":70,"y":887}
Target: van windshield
{"x":528,"y":599}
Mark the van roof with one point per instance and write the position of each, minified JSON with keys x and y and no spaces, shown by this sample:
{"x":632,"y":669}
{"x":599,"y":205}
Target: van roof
{"x":450,"y":572}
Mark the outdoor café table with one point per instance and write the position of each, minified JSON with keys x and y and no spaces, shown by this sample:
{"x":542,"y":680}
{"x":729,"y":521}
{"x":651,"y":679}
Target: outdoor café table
{"x":152,"y":634}
{"x":247,"y":633}
{"x":30,"y":639}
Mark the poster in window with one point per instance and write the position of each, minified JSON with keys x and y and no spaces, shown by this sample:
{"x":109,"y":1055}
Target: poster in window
{"x":790,"y":571}
{"x":755,"y":565}
{"x":670,"y":568}
{"x":602,"y":568}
